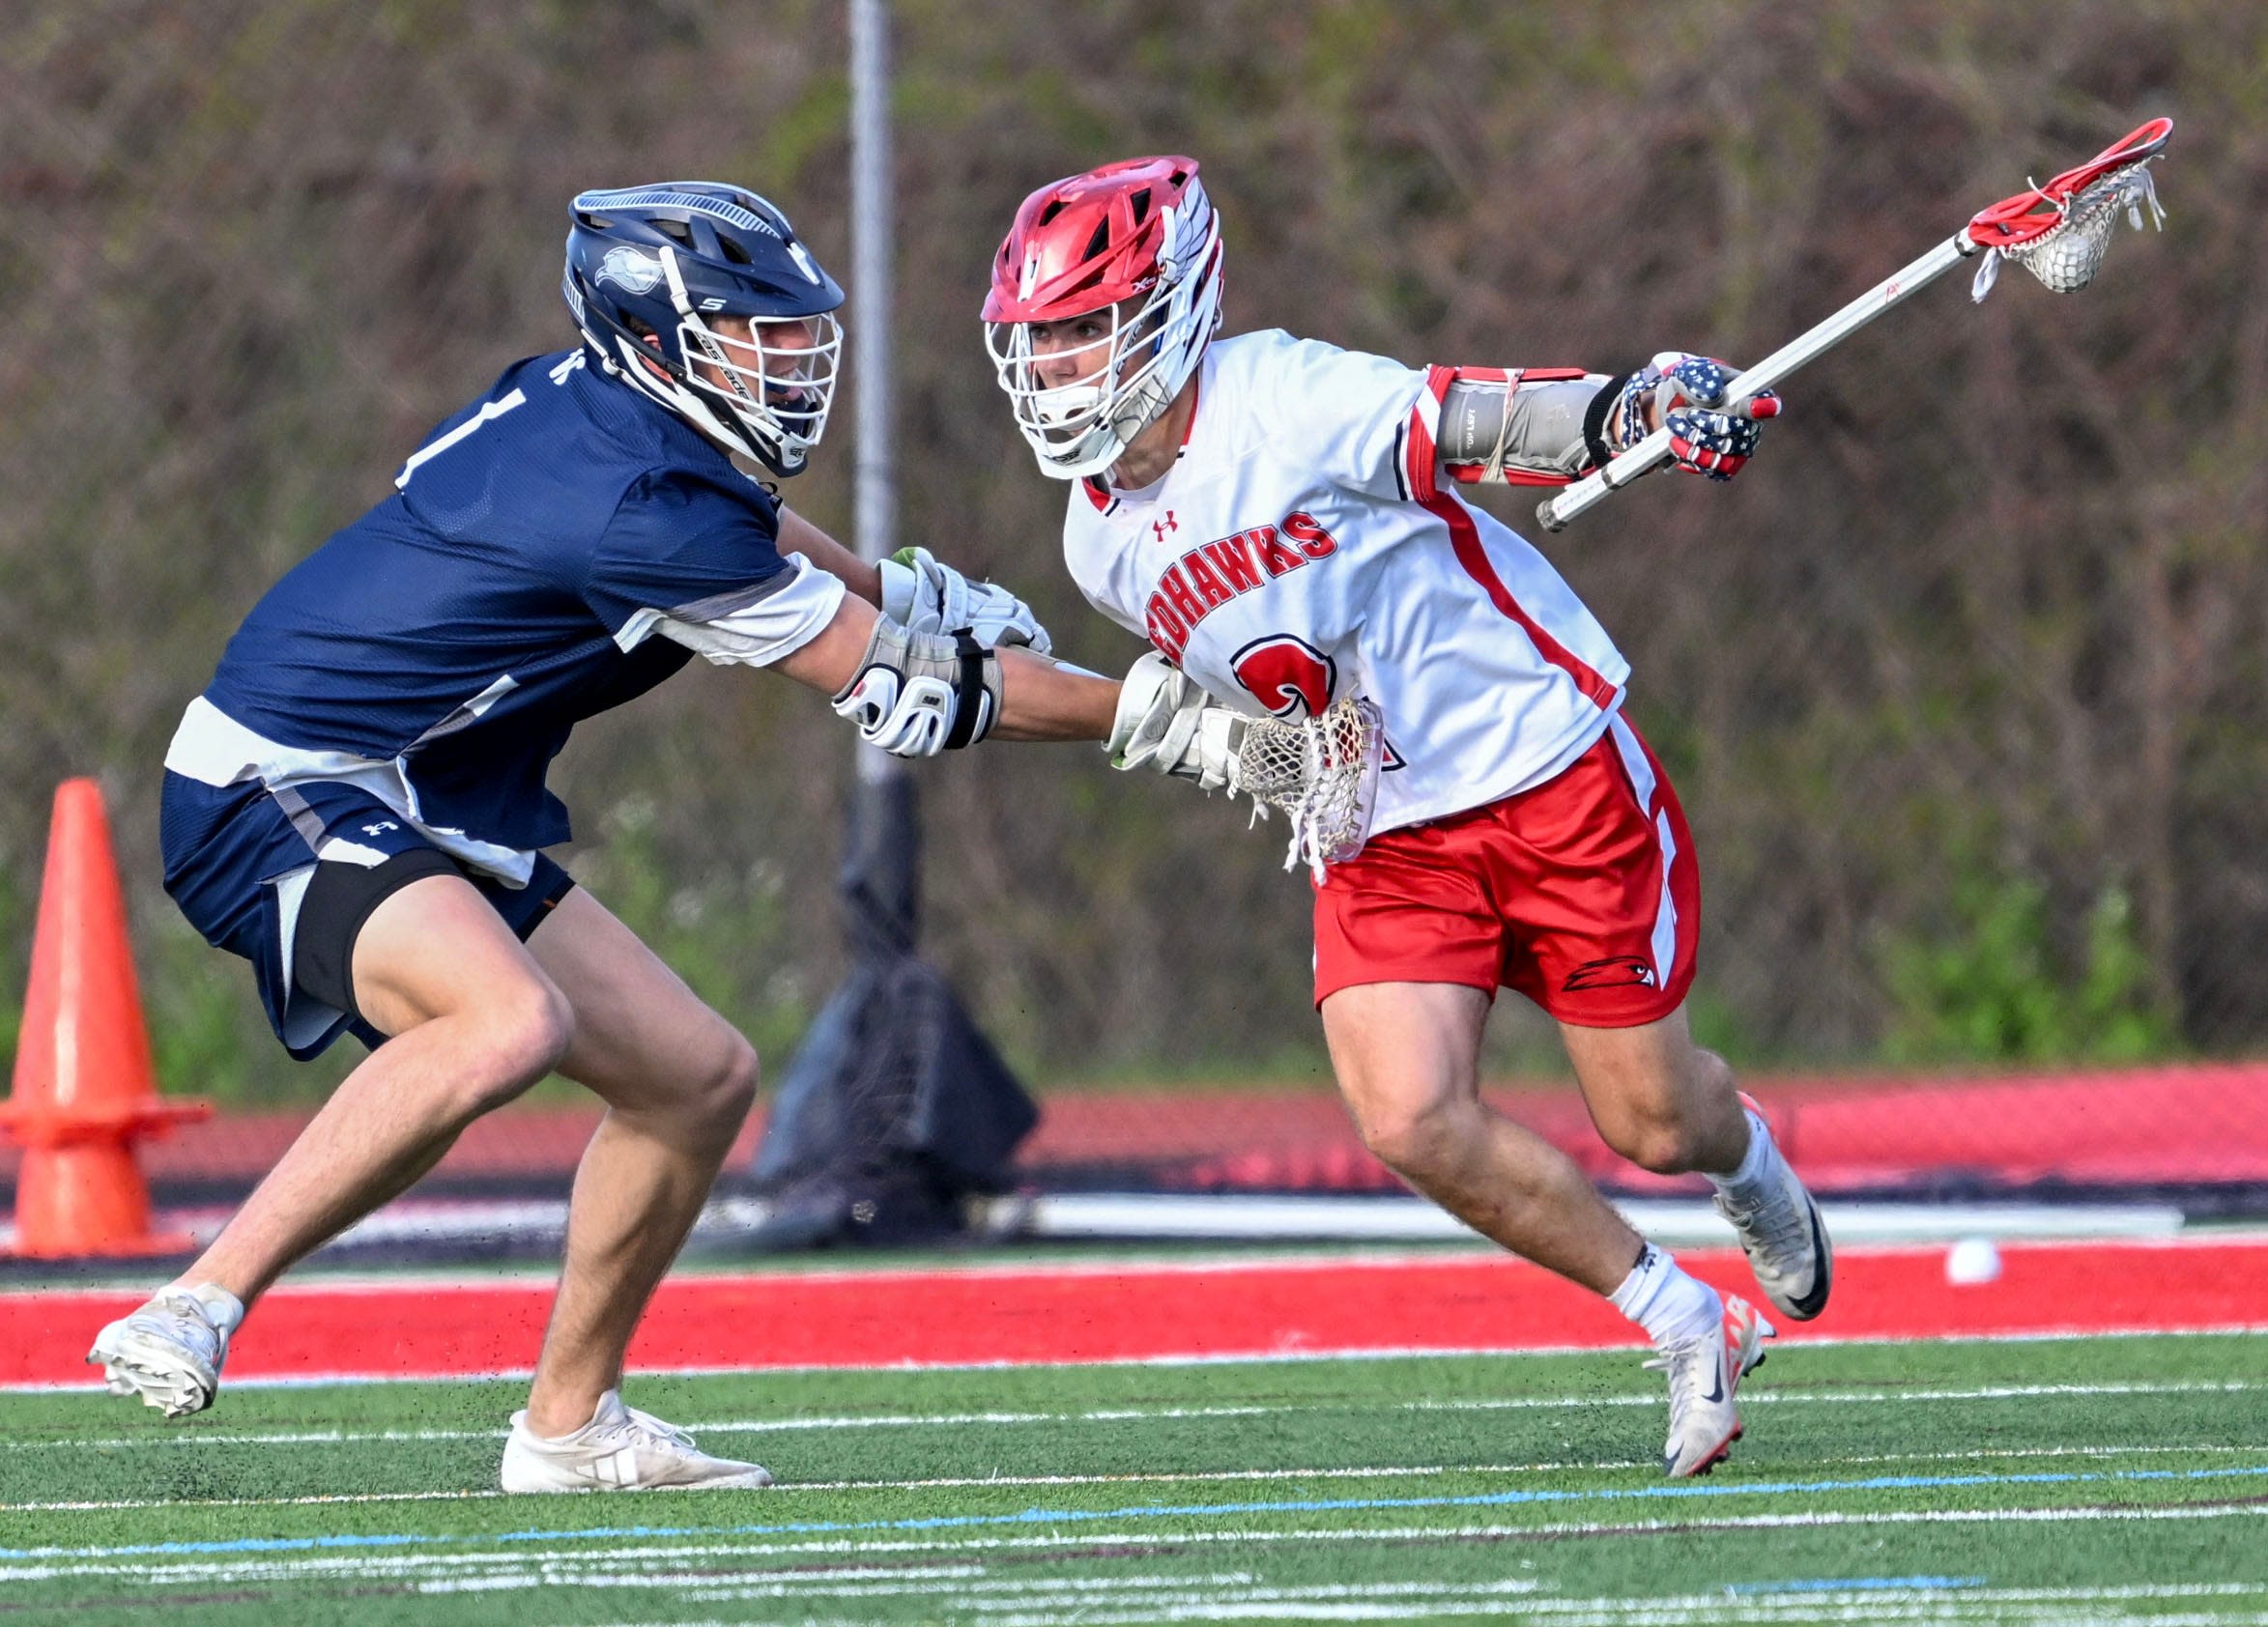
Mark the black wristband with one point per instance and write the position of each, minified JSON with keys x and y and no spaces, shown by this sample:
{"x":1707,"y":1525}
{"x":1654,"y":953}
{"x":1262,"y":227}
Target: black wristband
{"x":1594,"y":418}
{"x":969,"y":698}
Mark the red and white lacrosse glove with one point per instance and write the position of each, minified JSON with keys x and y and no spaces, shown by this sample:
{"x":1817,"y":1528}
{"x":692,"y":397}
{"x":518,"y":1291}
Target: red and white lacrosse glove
{"x":1688,"y":395}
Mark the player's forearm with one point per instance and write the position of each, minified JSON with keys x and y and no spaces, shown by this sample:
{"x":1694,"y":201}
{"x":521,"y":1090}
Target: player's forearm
{"x":799,"y":535}
{"x":1040,"y":699}
{"x":1044,"y":701}
{"x":831,"y":659}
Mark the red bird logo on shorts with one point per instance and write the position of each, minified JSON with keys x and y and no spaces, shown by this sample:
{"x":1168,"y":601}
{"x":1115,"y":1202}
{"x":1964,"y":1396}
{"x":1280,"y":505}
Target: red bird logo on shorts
{"x":1613,"y":972}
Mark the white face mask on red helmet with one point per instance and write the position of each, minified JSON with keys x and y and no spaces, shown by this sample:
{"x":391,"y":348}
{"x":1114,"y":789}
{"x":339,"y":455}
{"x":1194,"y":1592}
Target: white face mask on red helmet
{"x":1137,"y":244}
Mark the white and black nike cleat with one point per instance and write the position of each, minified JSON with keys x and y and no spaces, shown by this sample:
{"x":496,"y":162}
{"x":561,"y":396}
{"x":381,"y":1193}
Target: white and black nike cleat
{"x":170,"y":1352}
{"x":1780,"y":1227}
{"x":1705,"y":1376}
{"x":620,"y":1450}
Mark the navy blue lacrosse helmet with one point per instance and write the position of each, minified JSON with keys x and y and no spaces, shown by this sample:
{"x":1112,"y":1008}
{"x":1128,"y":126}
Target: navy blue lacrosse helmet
{"x":650,"y":269}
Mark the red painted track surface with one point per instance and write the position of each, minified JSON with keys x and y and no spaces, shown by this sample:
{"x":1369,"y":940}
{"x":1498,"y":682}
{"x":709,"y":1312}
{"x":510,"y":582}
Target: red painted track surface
{"x":2194,"y":1123}
{"x":1305,"y":1307}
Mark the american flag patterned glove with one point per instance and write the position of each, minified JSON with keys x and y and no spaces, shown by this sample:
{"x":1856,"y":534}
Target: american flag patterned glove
{"x":1688,"y":394}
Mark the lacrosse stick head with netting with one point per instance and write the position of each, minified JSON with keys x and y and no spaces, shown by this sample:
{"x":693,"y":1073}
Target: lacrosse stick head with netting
{"x":1321,"y":773}
{"x":2060,"y":232}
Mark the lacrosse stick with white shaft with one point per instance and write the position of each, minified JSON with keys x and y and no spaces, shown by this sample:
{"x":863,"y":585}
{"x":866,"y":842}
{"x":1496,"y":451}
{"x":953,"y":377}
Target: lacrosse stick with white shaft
{"x":2059,"y":233}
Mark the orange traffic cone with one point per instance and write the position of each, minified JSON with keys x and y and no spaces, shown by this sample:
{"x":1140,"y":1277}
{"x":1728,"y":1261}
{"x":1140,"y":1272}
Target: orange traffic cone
{"x":84,"y":1092}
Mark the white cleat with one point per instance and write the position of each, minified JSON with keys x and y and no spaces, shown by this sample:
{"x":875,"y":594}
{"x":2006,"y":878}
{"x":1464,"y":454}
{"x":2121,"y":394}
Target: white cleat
{"x":169,"y":1352}
{"x":1781,"y":1229}
{"x":1705,"y":1375}
{"x":620,"y":1450}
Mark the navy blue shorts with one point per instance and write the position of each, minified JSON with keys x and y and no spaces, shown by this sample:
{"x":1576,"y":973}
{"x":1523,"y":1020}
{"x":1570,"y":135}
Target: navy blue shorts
{"x":239,"y":860}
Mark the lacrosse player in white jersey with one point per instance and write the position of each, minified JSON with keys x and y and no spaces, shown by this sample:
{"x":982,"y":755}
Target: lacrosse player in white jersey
{"x":1279,"y":517}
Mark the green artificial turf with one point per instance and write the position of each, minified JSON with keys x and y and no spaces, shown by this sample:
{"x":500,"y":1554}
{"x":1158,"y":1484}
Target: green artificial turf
{"x":2068,"y":1481}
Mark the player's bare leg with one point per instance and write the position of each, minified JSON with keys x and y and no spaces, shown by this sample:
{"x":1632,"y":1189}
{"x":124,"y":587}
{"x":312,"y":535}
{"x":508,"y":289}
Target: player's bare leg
{"x":1407,"y":1056}
{"x":476,"y":1022}
{"x":1669,"y":1107}
{"x":678,"y":1080}
{"x":1658,"y":1099}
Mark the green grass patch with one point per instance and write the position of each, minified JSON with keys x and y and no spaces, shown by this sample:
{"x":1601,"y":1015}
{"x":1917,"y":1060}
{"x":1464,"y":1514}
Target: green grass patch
{"x":2064,"y":1480}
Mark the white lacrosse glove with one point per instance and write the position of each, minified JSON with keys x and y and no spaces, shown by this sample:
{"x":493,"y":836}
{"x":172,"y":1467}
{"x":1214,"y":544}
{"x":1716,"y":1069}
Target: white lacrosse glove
{"x":923,"y":594}
{"x":915,"y":693}
{"x":1166,"y":723}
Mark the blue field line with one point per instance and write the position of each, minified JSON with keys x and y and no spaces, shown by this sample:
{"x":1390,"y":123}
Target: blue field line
{"x":1160,"y":1511}
{"x":1855,"y":1585}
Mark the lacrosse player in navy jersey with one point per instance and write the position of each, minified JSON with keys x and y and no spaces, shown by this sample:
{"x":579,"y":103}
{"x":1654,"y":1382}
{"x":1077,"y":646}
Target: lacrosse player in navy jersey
{"x":356,"y":803}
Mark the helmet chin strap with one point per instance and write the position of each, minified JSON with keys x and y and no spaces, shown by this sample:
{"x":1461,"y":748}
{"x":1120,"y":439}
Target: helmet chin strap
{"x":689,"y":321}
{"x":1116,"y":418}
{"x":1060,"y":406}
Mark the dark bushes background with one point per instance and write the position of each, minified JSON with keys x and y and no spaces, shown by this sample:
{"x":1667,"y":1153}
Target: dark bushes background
{"x":1964,"y":686}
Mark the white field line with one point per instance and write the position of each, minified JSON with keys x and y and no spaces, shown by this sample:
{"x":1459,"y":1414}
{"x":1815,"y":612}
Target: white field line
{"x":44,"y":1561}
{"x":192,"y":1437}
{"x":639,"y":1565}
{"x":1383,"y":1472}
{"x":1860,"y":1608}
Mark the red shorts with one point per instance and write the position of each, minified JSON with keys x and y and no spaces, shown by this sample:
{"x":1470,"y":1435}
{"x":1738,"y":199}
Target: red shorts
{"x":1581,"y":893}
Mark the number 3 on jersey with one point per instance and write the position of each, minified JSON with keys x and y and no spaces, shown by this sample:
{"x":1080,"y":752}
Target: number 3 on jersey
{"x":1294,"y":679}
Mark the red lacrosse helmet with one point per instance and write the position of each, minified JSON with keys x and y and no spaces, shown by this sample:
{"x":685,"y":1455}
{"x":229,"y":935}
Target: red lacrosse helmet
{"x":1138,"y":238}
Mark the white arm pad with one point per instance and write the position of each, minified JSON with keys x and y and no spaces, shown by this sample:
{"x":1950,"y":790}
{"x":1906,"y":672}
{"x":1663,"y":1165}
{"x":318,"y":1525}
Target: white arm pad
{"x":1535,"y":429}
{"x":754,"y":628}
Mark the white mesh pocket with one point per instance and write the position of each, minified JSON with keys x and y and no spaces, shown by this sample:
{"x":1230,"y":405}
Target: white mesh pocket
{"x":2066,"y":258}
{"x":1322,"y":772}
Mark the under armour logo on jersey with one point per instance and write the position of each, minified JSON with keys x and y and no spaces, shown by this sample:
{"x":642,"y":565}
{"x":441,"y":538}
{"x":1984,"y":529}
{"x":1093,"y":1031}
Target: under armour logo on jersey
{"x":380,"y":828}
{"x":1168,"y":524}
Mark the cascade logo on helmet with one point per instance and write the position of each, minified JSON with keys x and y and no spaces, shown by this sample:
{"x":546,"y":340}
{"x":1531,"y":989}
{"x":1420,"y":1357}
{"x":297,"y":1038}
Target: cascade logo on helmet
{"x":1138,"y":241}
{"x":660,"y":279}
{"x":628,"y":268}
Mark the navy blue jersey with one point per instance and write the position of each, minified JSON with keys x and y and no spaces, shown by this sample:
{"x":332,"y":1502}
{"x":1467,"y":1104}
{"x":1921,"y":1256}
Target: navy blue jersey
{"x":505,"y":591}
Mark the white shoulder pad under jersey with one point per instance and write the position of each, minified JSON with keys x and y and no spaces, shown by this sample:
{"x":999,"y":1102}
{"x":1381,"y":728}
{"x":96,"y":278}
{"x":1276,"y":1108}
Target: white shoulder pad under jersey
{"x":1301,"y":549}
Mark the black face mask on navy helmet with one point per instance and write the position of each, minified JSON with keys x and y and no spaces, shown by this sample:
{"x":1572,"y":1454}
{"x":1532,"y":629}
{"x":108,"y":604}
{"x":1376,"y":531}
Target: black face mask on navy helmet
{"x":650,"y":269}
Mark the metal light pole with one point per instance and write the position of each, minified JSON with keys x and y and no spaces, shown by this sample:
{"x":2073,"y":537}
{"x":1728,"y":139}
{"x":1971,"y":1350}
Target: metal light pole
{"x":897,"y":1108}
{"x":875,"y":512}
{"x":883,"y":872}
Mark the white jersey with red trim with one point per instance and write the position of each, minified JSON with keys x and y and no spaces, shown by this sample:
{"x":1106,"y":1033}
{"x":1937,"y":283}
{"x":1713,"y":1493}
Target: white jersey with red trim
{"x":1302,"y":549}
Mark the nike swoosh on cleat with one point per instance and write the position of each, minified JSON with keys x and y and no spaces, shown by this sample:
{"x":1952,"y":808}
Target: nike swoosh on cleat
{"x":1815,"y":1301}
{"x":1717,"y":1391}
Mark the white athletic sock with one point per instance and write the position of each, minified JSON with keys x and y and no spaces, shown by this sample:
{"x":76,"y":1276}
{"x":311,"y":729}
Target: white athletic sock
{"x":1745,"y":1178}
{"x":1662,"y":1299}
{"x":223,"y":1309}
